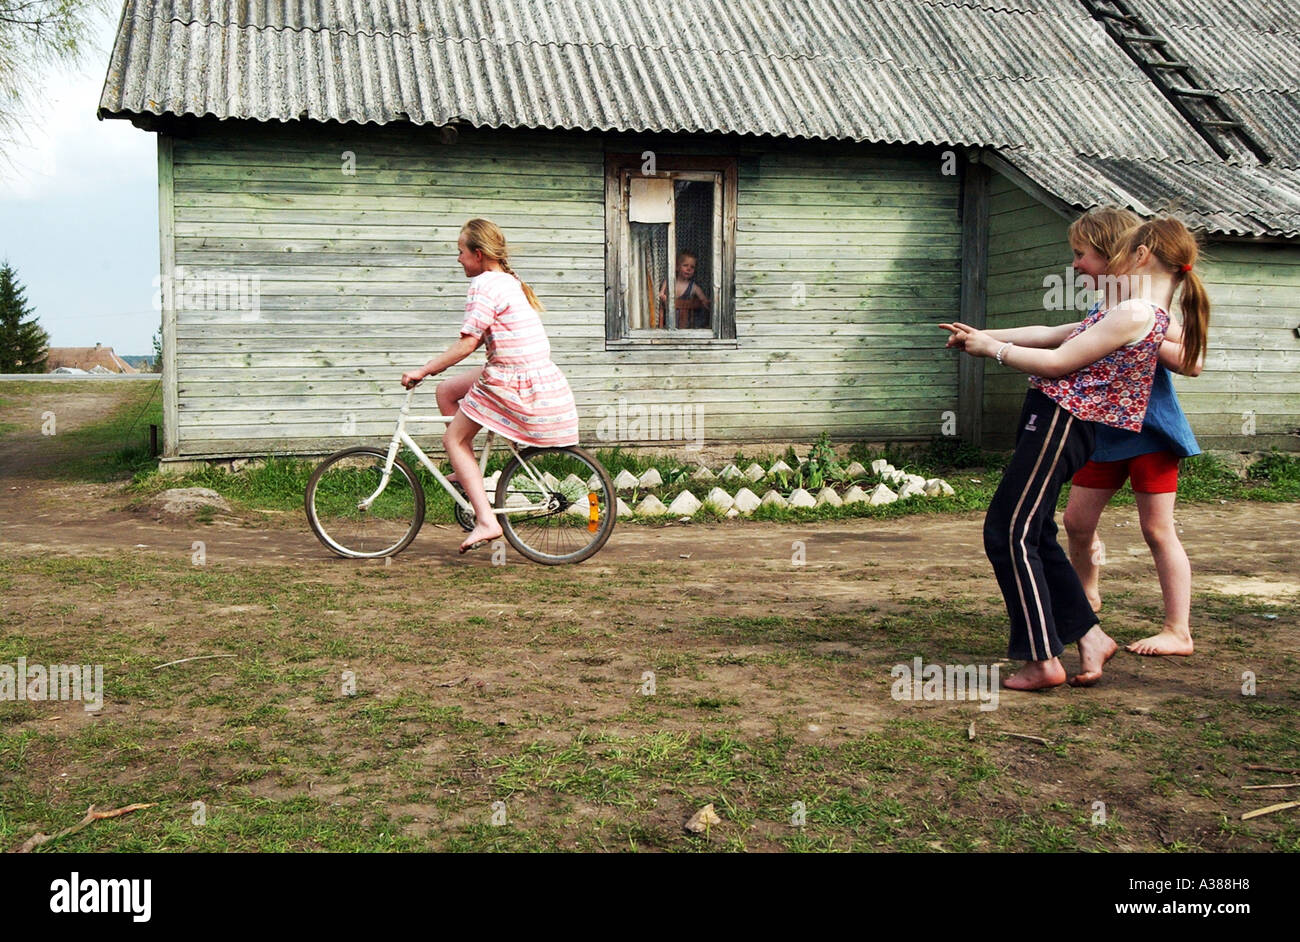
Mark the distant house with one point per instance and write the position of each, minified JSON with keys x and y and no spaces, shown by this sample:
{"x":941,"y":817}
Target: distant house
{"x":848,"y":173}
{"x":87,"y":359}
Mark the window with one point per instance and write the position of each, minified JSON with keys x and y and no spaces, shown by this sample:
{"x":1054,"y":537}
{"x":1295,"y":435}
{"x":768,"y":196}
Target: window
{"x":670,"y":250}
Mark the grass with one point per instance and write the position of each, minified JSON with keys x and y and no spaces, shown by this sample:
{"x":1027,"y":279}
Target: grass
{"x":116,"y":448}
{"x":595,"y":792}
{"x":113,"y":448}
{"x":282,"y":758}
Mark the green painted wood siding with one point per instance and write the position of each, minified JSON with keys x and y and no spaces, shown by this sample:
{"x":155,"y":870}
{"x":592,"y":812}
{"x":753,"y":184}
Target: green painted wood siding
{"x":1250,"y":377}
{"x":1248,"y":396}
{"x":1027,"y":243}
{"x":358,"y":277}
{"x":875,"y":243}
{"x":358,"y":282}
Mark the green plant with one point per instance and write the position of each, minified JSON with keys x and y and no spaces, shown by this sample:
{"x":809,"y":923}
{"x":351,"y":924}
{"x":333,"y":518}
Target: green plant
{"x":673,"y":476}
{"x":1276,"y":468}
{"x":821,"y":464}
{"x":948,"y":451}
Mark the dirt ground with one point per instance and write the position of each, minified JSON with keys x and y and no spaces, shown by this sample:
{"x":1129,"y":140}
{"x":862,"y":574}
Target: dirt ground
{"x":715,"y":611}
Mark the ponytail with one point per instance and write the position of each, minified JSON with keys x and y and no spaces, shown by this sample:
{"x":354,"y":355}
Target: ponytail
{"x":483,"y":235}
{"x":1195,"y":306}
{"x":1174,"y":246}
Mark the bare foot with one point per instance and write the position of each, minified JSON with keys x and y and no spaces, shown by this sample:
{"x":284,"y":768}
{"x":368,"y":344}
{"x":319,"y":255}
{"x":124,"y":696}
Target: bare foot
{"x":1094,"y":600}
{"x":1170,"y":641}
{"x":1037,"y":675}
{"x":1095,"y":649}
{"x":483,"y":533}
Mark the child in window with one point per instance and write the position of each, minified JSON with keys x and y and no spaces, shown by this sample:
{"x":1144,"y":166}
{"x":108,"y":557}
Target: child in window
{"x":689,"y":298}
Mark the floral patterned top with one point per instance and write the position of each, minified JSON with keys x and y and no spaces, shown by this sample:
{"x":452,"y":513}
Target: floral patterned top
{"x":1114,"y":390}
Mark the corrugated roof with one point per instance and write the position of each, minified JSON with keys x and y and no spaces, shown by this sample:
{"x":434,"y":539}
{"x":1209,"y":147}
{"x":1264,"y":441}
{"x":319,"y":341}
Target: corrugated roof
{"x":1215,"y":196}
{"x":1264,"y":16}
{"x":1249,"y":52}
{"x":918,"y":71}
{"x":1038,"y":78}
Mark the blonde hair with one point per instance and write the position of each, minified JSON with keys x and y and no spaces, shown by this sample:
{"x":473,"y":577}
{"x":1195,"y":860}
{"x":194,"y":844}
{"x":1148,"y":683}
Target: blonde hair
{"x":1173,"y":245}
{"x":483,"y":235}
{"x":1102,"y":228}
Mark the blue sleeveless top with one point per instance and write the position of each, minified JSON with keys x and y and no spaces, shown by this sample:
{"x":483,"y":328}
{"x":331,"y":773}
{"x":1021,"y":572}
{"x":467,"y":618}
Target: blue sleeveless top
{"x":1165,"y":427}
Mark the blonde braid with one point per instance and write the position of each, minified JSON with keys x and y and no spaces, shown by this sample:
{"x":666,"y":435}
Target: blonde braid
{"x":528,"y":292}
{"x":486,"y":236}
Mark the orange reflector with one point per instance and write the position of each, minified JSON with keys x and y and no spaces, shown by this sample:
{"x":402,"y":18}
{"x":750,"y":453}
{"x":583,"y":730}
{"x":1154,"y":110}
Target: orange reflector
{"x":593,"y":513}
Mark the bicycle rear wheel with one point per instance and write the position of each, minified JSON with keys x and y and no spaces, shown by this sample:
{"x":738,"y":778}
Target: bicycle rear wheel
{"x":572,"y":510}
{"x":334,"y":494}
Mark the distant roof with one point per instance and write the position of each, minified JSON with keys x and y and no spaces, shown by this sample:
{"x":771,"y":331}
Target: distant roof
{"x":87,"y":358}
{"x":1038,"y":79}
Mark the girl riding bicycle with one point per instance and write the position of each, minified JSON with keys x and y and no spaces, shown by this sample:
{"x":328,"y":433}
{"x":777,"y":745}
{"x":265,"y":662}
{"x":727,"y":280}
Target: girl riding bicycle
{"x":518,"y":393}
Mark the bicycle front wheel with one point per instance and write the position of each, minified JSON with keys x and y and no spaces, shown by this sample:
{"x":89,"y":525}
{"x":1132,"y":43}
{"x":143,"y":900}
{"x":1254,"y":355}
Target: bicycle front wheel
{"x":560,"y":504}
{"x":343,"y":482}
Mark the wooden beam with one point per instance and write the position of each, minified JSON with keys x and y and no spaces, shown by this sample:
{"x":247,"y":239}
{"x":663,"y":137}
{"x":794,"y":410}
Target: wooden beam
{"x":974,"y":293}
{"x":167,"y":269}
{"x":1049,"y":199}
{"x":613,"y":231}
{"x":727,"y":301}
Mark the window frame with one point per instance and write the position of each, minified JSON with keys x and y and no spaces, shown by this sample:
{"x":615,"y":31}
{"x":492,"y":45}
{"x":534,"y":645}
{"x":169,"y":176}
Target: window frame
{"x":617,"y":333}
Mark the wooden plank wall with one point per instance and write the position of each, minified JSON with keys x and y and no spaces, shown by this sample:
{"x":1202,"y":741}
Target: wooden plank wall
{"x":846,"y":257}
{"x":1254,"y":353}
{"x":358,"y":273}
{"x":875,"y":241}
{"x":974,"y":298}
{"x":1248,"y":396}
{"x":1026,"y":244}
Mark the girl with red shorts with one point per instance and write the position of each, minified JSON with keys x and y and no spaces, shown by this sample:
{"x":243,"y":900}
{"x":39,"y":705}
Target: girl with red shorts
{"x":1149,"y":460}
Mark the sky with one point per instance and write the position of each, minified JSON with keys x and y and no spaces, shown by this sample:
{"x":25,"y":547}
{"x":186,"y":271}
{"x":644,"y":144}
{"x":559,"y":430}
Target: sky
{"x":79,"y":210}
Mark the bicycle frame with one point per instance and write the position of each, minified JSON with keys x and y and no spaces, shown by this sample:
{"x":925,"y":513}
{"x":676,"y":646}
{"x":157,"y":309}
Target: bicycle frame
{"x":401,"y":437}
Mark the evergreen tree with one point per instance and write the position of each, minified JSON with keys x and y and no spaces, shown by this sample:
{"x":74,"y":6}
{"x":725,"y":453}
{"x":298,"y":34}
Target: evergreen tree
{"x":23,"y":344}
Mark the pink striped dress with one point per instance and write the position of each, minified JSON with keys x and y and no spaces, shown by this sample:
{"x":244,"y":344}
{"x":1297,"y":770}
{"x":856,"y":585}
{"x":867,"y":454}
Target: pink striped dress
{"x":521,"y":394}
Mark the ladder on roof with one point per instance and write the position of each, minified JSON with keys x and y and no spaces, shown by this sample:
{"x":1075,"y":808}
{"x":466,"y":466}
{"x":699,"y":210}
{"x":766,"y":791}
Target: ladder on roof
{"x":1200,"y":107}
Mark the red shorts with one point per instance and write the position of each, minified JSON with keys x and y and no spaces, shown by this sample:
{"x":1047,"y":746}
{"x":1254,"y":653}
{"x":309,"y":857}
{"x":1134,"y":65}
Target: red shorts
{"x":1153,"y":473}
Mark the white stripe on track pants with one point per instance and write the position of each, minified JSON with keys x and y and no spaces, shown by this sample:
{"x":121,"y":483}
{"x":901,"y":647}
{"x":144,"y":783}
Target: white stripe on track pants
{"x":1045,"y":600}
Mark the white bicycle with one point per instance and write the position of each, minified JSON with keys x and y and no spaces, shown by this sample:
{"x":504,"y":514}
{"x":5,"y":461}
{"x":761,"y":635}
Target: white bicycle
{"x":557,"y":505}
